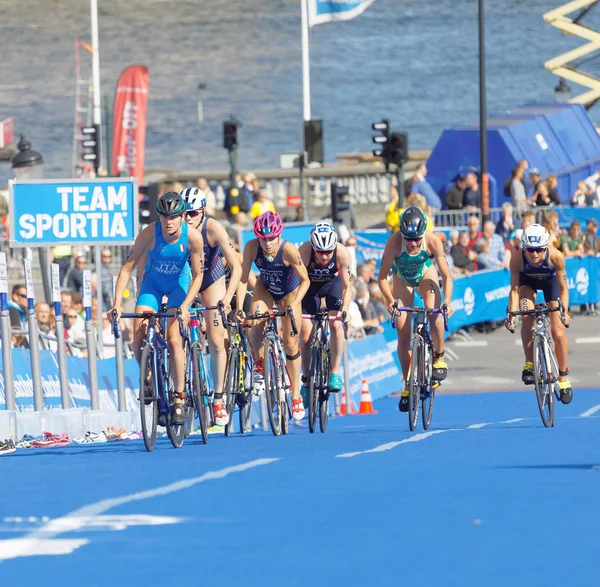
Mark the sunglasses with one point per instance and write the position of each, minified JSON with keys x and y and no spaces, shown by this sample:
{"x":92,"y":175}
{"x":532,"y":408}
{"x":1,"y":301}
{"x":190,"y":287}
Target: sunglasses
{"x":323,"y":253}
{"x":413,"y":240}
{"x":21,"y":295}
{"x":536,"y":249}
{"x":193,"y":213}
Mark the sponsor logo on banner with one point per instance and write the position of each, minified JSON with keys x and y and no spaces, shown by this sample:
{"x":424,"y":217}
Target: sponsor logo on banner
{"x":582,"y":280}
{"x":469,"y":301}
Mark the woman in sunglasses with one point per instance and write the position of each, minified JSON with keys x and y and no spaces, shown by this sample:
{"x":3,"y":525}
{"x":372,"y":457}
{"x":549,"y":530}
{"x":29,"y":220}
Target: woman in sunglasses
{"x":409,"y":254}
{"x":540,"y":267}
{"x":214,"y":289}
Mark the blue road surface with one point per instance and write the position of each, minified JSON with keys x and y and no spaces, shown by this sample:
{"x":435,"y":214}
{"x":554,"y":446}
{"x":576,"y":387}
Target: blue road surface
{"x":487,"y":497}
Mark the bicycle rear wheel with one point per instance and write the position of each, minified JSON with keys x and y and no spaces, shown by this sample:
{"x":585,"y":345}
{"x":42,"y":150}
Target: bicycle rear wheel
{"x":544,"y":389}
{"x":324,"y":392}
{"x":284,"y":396}
{"x":245,"y":399}
{"x":231,"y":383}
{"x":313,"y":388}
{"x":271,"y":388}
{"x":414,"y":385}
{"x":428,"y":401}
{"x":148,"y":412}
{"x":200,"y":391}
{"x":189,"y":387}
{"x":176,"y":432}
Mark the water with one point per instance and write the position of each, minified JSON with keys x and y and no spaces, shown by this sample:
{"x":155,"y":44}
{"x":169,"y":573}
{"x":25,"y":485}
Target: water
{"x":411,"y":61}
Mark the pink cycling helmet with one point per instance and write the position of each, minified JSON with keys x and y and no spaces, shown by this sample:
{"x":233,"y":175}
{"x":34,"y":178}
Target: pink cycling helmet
{"x":268,"y":225}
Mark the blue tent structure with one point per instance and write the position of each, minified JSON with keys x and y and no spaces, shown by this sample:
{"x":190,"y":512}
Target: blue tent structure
{"x":555,"y":138}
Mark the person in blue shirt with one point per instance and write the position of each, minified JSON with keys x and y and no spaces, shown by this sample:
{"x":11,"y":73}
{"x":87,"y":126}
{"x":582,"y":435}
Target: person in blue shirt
{"x":174,"y":254}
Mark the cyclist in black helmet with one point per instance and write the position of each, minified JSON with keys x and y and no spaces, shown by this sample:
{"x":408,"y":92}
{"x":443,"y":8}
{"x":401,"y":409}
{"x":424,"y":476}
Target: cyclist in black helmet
{"x":409,"y":255}
{"x":167,"y":245}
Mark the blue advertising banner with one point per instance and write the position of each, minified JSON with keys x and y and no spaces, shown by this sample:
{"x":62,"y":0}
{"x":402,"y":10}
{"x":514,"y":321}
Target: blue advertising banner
{"x":370,"y":245}
{"x":86,"y":212}
{"x":293,"y":232}
{"x":567,"y":215}
{"x":321,"y":11}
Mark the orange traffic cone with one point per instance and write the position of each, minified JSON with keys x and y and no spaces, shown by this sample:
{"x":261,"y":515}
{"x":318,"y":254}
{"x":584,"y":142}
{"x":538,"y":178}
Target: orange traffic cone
{"x":343,"y":409}
{"x":366,"y":401}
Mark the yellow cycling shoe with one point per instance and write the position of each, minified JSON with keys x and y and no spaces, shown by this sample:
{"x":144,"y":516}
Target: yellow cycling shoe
{"x":566,"y":392}
{"x":440,"y":369}
{"x":403,"y":405}
{"x":527,"y":374}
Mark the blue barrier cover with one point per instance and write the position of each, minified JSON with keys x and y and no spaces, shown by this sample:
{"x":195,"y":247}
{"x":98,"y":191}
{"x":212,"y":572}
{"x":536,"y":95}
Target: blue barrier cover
{"x":370,"y":245}
{"x":567,"y":215}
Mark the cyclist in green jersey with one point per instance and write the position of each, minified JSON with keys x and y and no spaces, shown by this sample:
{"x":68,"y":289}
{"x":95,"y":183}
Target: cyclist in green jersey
{"x":409,"y":254}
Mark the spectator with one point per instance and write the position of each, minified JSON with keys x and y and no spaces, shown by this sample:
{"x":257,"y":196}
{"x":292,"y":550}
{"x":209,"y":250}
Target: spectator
{"x":553,"y":194}
{"x":454,"y":196}
{"x":498,"y":254}
{"x":248,"y":188}
{"x":483,"y":256}
{"x":17,"y":306}
{"x":423,"y":187}
{"x":75,"y":335}
{"x":518,"y":193}
{"x":534,"y":179}
{"x":378,"y":302}
{"x":541,"y":197}
{"x":77,"y":325}
{"x":74,"y":278}
{"x":453,"y":239}
{"x":241,"y":220}
{"x":352,"y":244}
{"x":106,"y":280}
{"x":464,"y":258}
{"x":355,"y":320}
{"x":364,"y":274}
{"x":579,"y":199}
{"x":523,"y":165}
{"x":550,"y":223}
{"x":472,"y":195}
{"x":262,"y":205}
{"x":367,"y":310}
{"x":506,"y":224}
{"x":571,"y":244}
{"x":211,"y":200}
{"x":515,"y":242}
{"x":62,"y":255}
{"x":42,"y":314}
{"x":527,"y":219}
{"x":419,"y":201}
{"x":591,"y":242}
{"x":474,"y":233}
{"x":393,"y":211}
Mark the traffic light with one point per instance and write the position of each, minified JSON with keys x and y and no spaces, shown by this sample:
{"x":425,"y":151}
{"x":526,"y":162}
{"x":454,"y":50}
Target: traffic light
{"x":148,"y":195}
{"x":230,"y":139}
{"x":398,"y":148}
{"x":313,"y":141}
{"x":91,"y":145}
{"x":382,"y":139}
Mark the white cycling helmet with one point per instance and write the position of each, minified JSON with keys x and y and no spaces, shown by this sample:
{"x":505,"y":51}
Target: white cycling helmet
{"x":535,"y":236}
{"x":323,"y":237}
{"x":194,"y":199}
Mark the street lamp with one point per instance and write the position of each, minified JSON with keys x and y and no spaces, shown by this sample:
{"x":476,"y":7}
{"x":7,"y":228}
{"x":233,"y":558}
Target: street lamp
{"x":562,"y":92}
{"x":27,"y":163}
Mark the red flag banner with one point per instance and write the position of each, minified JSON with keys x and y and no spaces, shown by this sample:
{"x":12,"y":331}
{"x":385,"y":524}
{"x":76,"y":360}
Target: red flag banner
{"x":129,"y":123}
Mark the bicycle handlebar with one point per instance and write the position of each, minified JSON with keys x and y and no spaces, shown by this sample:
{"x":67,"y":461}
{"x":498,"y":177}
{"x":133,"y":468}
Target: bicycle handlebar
{"x":272,"y":314}
{"x":145,"y":315}
{"x":420,"y":310}
{"x":343,"y":319}
{"x":540,"y":309}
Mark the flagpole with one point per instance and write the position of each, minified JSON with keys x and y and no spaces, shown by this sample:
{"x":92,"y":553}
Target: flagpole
{"x":305,"y":63}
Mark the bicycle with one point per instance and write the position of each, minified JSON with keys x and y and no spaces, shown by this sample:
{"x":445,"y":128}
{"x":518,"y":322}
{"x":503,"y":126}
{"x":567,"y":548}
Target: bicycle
{"x":238,"y":377}
{"x":545,"y":367}
{"x":156,"y":394}
{"x":277,"y":379}
{"x":420,"y":385}
{"x":320,"y":368}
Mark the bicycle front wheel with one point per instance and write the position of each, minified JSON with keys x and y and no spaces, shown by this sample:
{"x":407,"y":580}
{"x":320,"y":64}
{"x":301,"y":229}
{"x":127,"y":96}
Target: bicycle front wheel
{"x":544,"y":391}
{"x":148,"y":407}
{"x":429,"y":396}
{"x":324,"y":391}
{"x":245,"y":399}
{"x":200,"y":391}
{"x":231,"y":383}
{"x":415,"y":382}
{"x":313,"y":388}
{"x":271,"y":388}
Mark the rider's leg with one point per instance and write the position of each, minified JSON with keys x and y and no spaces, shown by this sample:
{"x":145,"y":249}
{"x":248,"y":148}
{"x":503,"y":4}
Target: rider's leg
{"x":149,"y":300}
{"x":527,"y":302}
{"x":139,"y":332}
{"x":405,"y":294}
{"x":261,"y":302}
{"x":432,"y":298}
{"x":310,"y":305}
{"x":561,"y":346}
{"x":292,"y":354}
{"x":337,"y":341}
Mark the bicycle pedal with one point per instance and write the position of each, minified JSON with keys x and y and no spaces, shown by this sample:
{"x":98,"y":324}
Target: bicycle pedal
{"x":162,"y":420}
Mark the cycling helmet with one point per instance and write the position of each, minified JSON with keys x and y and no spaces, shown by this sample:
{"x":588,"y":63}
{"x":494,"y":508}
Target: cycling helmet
{"x":535,"y":236}
{"x":323,"y":237}
{"x":268,"y":225}
{"x":194,"y":199}
{"x":170,"y":204}
{"x":413,"y":222}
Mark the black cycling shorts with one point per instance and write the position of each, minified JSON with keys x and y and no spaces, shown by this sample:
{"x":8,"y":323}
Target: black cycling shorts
{"x":549,"y":287}
{"x":330,"y":290}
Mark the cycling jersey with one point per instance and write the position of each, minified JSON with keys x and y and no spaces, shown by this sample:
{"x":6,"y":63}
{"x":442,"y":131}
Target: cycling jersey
{"x":322,"y":273}
{"x":275,"y":275}
{"x":411,"y":268}
{"x":167,"y":272}
{"x":214,"y":268}
{"x":540,"y":277}
{"x":325,"y":282}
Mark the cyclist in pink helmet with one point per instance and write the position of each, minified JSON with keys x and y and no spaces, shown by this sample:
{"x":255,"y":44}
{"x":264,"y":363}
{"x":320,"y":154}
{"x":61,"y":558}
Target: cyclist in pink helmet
{"x":283,"y":281}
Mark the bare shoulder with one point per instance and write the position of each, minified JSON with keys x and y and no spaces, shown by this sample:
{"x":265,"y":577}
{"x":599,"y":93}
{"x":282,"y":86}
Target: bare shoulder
{"x":557,"y":259}
{"x":343,"y":255}
{"x":433,"y":243}
{"x":516,"y":262}
{"x":394,"y":241}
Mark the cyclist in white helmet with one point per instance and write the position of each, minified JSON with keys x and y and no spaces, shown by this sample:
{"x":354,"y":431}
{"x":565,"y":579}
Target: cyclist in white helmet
{"x":328,"y":265}
{"x":216,"y":245}
{"x":540,"y":267}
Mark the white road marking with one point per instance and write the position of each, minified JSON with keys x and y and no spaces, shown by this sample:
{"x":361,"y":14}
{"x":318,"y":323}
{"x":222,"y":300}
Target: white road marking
{"x":513,"y":421}
{"x":477,"y":426}
{"x":42,"y":540}
{"x":467,"y":343}
{"x":587,"y":340}
{"x":590,"y":412}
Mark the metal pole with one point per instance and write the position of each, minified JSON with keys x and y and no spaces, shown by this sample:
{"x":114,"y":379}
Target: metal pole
{"x":97,"y":112}
{"x":303,"y":198}
{"x":305,"y":63}
{"x":485,"y":193}
{"x":44,"y":256}
{"x":34,"y":340}
{"x":90,"y":338}
{"x":107,"y":136}
{"x":120,"y":374}
{"x":400,"y":180}
{"x":98,"y":263}
{"x":5,"y":331}
{"x":347,"y":382}
{"x":61,"y":352}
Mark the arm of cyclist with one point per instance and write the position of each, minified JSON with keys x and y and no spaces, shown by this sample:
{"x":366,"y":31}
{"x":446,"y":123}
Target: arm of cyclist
{"x":291,"y":257}
{"x":558,"y":262}
{"x":143,"y":242}
{"x":444,"y":269}
{"x":513,"y":294}
{"x":232,"y":260}
{"x":392,"y":244}
{"x":344,"y":265}
{"x":248,"y":258}
{"x":196,"y":245}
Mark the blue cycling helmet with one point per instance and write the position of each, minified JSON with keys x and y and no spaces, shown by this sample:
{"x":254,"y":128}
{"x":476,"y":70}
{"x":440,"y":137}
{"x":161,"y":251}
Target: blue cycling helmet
{"x":413,"y":222}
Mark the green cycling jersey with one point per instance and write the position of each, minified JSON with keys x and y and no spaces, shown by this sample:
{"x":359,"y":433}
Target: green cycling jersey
{"x":411,"y":268}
